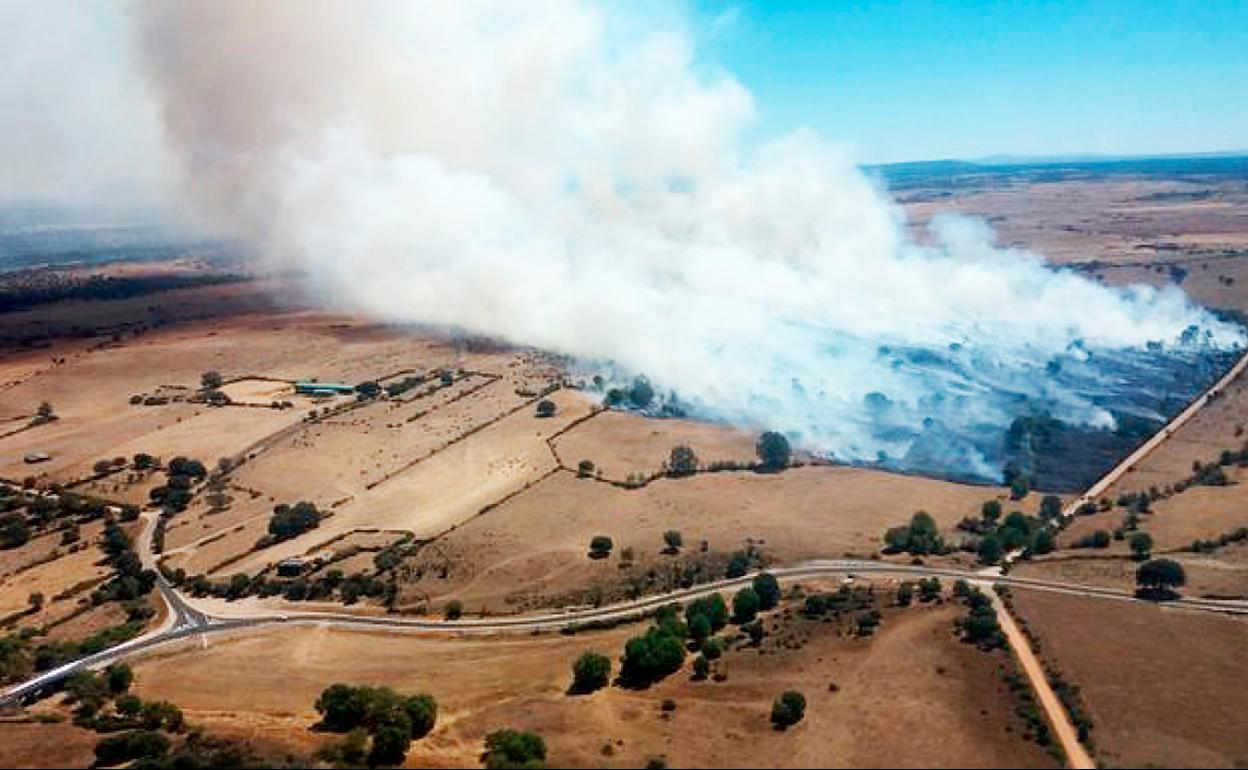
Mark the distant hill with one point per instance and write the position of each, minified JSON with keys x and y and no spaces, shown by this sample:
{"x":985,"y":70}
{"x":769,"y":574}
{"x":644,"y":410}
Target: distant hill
{"x":1001,"y":168}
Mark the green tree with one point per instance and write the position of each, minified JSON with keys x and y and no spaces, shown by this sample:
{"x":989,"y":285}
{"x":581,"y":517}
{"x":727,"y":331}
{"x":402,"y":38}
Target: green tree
{"x":768,"y":590}
{"x":1141,"y":545}
{"x":545,"y":408}
{"x":682,"y":462}
{"x":390,"y":744}
{"x":211,"y":380}
{"x":990,"y":512}
{"x":673,"y":540}
{"x":422,"y":713}
{"x":590,"y":672}
{"x":14,"y":532}
{"x":119,"y":677}
{"x":1050,"y":507}
{"x":600,"y":547}
{"x":651,"y":656}
{"x":514,"y":749}
{"x":745,"y":605}
{"x":454,"y":610}
{"x":1160,"y":576}
{"x":788,"y":709}
{"x":990,"y":550}
{"x":773,"y":451}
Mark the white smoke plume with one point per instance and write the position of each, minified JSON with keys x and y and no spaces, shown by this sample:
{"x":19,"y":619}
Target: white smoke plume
{"x":560,"y":175}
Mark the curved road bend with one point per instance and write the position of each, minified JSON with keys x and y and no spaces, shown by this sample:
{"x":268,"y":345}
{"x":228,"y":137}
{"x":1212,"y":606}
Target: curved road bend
{"x":185,"y":620}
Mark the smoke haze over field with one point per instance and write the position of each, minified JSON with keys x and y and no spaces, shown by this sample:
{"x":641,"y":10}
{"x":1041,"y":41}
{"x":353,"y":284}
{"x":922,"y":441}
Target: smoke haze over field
{"x":565,"y":176}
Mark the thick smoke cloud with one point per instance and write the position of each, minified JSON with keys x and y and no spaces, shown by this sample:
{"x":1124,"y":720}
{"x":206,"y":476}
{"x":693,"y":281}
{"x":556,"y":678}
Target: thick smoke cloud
{"x":561,"y":176}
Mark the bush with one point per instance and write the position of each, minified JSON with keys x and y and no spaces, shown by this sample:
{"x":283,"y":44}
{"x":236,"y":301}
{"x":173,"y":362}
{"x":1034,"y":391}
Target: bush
{"x":788,"y":709}
{"x":132,"y":745}
{"x":590,"y":672}
{"x":454,"y":609}
{"x":600,"y":547}
{"x":682,"y":462}
{"x":545,"y":408}
{"x":513,"y":749}
{"x":1141,"y":545}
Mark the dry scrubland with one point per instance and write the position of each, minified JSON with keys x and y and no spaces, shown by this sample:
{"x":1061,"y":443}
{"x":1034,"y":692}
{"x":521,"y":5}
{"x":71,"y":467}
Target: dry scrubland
{"x":1163,"y":685}
{"x":500,"y":521}
{"x":537,"y":543}
{"x":912,"y":696}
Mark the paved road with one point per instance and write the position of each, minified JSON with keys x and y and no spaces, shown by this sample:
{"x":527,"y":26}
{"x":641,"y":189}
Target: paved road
{"x":190,"y":621}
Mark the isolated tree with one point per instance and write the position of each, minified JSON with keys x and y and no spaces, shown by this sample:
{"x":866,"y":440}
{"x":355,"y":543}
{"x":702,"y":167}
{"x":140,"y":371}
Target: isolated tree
{"x":600,"y":547}
{"x":990,"y":512}
{"x":1141,"y":545}
{"x":788,"y":709}
{"x":45,"y":411}
{"x":35,"y":601}
{"x":211,"y":380}
{"x":673,"y":540}
{"x":585,"y":468}
{"x":773,"y":451}
{"x":682,"y":462}
{"x":590,"y":672}
{"x":767,"y":589}
{"x":545,"y":408}
{"x":1160,"y":576}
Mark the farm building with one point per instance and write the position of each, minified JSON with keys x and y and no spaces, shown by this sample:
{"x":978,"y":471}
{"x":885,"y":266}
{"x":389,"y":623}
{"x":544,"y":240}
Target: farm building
{"x":314,"y":388}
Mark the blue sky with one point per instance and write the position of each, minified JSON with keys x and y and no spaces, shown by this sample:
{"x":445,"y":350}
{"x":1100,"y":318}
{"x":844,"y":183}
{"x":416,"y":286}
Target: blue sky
{"x":921,"y":79}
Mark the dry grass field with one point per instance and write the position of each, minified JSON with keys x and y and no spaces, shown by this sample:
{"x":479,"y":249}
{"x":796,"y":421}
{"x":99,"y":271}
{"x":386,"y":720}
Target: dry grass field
{"x":1162,"y":684}
{"x":536,"y":544}
{"x":913,"y":696}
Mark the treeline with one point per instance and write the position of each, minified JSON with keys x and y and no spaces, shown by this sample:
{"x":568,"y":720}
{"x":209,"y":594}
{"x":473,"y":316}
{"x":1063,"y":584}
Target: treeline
{"x":103,"y":287}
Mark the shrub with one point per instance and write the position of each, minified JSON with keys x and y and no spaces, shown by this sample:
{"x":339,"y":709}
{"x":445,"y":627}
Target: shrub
{"x":600,"y":547}
{"x":682,"y":462}
{"x":590,"y":672}
{"x":514,"y":748}
{"x":545,"y":408}
{"x":454,"y":610}
{"x":788,"y":709}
